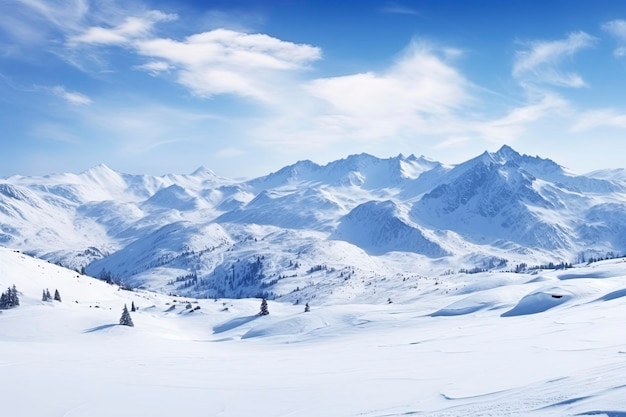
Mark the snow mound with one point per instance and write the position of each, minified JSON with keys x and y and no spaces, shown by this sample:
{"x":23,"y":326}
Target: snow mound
{"x":540,"y":301}
{"x":613,"y":295}
{"x":233,"y":324}
{"x":467,"y":305}
{"x":300,"y":324}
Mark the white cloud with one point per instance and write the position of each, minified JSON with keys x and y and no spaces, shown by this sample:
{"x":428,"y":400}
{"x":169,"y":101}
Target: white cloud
{"x":419,"y":98}
{"x":71,"y":97}
{"x":220,"y":61}
{"x":540,"y":62}
{"x":600,"y":118}
{"x":154,"y":67}
{"x":617,"y":28}
{"x":229,"y":62}
{"x":231,"y":48}
{"x":420,"y":86}
{"x":130,"y":29}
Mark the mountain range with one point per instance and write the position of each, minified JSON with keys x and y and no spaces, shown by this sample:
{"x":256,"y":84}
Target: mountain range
{"x":306,"y":226}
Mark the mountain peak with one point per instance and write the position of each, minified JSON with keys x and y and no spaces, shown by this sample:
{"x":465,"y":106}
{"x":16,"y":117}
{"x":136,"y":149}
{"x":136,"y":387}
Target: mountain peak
{"x":203,"y":171}
{"x":500,"y":157}
{"x":98,"y":169}
{"x":506,"y":154}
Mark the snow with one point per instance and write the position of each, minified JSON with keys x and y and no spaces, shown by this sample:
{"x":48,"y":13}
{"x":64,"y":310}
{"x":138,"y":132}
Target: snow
{"x":394,"y":216}
{"x":346,"y":359}
{"x":373,"y":245}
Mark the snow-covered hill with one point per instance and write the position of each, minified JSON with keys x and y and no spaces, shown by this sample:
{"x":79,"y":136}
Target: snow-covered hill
{"x":542,"y":344}
{"x":203,"y":235}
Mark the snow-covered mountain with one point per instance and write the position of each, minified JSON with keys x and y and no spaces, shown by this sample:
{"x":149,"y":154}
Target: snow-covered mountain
{"x":308,"y":225}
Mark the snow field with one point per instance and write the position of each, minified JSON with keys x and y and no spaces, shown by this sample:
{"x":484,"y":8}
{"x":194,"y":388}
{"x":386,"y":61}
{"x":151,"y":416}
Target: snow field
{"x":555,"y":357}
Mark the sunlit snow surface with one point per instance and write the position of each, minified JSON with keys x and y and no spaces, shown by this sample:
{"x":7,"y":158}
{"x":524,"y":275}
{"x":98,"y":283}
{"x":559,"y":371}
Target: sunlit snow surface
{"x":493,"y":344}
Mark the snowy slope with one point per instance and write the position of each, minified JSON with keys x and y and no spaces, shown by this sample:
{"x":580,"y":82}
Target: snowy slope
{"x":396,"y":215}
{"x":381,"y":227}
{"x":495,"y":344}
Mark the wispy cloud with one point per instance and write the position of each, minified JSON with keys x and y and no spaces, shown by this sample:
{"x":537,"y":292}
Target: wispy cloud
{"x":33,"y":22}
{"x":453,"y":142}
{"x":600,"y":118}
{"x":396,"y":8}
{"x":53,"y":26}
{"x":71,"y":97}
{"x":511,"y":126}
{"x":57,"y":132}
{"x":131,"y":29}
{"x":617,"y":28}
{"x":154,"y":67}
{"x":540,"y":62}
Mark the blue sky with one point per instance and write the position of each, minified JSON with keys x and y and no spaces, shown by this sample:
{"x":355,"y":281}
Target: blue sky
{"x":246,"y":87}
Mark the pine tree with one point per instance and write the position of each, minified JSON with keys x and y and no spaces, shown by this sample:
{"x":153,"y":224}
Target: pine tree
{"x":48,"y":296}
{"x":44,"y":297}
{"x":132,"y":307}
{"x":9,"y":298}
{"x":264,"y":310}
{"x":57,"y":296}
{"x":307,"y":308}
{"x":14,"y":299}
{"x":126,"y":320}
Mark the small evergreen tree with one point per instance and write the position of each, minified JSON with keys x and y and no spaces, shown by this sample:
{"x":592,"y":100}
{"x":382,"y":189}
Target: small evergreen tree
{"x":126,"y":320}
{"x":57,"y":296}
{"x":9,"y":298}
{"x":14,"y":298}
{"x":132,"y":307}
{"x":307,"y":308}
{"x":264,"y":310}
{"x":44,"y":296}
{"x":48,"y":296}
{"x":4,"y":301}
